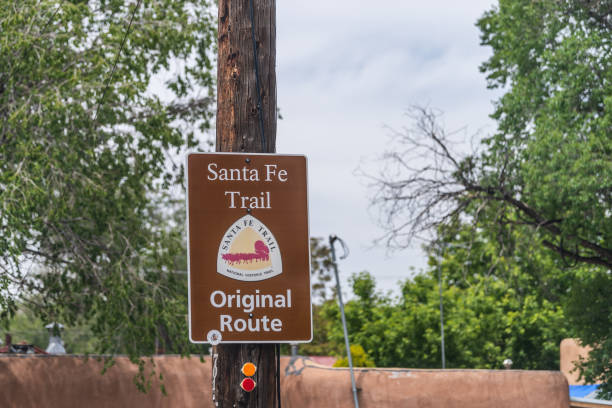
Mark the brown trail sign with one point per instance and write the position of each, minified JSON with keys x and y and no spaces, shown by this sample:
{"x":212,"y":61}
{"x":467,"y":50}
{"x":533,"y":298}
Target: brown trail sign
{"x":246,"y":117}
{"x":249,"y":258}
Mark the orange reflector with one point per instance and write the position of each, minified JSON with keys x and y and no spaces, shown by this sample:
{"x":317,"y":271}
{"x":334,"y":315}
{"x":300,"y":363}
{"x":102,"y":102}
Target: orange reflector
{"x":249,"y":369}
{"x":248,"y":384}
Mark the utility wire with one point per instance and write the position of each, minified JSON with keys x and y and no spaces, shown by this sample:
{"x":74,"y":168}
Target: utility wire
{"x":110,"y":78}
{"x":278,"y":392}
{"x":264,"y":144}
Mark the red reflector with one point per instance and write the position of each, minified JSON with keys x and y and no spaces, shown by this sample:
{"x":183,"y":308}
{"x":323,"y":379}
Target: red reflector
{"x":248,"y":384}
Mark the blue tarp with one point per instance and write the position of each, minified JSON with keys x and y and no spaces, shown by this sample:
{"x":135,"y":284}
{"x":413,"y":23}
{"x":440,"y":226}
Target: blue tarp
{"x":581,"y":391}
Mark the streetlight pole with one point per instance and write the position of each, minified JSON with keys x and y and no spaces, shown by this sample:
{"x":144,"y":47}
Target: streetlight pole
{"x":332,"y":240}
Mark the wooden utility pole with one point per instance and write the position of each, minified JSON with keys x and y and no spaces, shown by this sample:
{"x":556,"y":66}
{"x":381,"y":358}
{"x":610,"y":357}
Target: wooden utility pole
{"x":242,"y":117}
{"x":238,"y":116}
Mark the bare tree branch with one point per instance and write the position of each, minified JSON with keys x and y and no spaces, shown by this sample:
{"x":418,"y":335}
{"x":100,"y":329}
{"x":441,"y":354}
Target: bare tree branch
{"x":427,"y":185}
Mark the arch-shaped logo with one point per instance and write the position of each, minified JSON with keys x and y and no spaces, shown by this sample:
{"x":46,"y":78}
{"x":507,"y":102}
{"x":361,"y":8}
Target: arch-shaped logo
{"x":249,"y":252}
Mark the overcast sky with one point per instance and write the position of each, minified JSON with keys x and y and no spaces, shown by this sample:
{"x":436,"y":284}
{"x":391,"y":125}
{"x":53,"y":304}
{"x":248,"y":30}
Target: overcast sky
{"x":345,"y":70}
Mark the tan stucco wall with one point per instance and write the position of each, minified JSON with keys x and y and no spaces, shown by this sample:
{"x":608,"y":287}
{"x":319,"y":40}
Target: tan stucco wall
{"x":318,"y":386}
{"x":67,"y":381}
{"x":571,"y":351}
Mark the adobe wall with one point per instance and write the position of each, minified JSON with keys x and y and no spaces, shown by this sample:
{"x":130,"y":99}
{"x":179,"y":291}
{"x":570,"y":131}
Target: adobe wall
{"x":570,"y":352}
{"x":309,"y":385}
{"x":69,"y":381}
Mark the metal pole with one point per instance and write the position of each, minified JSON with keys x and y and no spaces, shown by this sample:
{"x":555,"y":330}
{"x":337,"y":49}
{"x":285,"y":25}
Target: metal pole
{"x":441,"y":310}
{"x":443,"y":247}
{"x":332,"y":240}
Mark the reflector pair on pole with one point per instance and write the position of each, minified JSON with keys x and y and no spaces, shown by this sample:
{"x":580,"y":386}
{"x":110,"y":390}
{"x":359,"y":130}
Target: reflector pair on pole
{"x":248,"y":384}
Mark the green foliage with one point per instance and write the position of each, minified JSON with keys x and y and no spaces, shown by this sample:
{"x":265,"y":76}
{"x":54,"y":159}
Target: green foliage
{"x":542,"y":182}
{"x":487,"y":320}
{"x":359,"y":357}
{"x":26,"y":327}
{"x":86,"y":167}
{"x":590,"y":311}
{"x":7,"y":303}
{"x":320,"y":345}
{"x":321,"y":267}
{"x":553,"y":149}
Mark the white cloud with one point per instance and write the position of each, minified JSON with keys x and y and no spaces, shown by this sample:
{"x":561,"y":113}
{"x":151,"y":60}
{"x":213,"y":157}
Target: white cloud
{"x":347,"y":68}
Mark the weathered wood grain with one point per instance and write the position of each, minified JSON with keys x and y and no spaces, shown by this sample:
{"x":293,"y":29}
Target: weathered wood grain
{"x":238,"y":130}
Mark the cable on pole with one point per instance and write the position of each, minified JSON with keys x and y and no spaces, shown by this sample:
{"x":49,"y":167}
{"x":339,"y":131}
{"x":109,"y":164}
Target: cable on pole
{"x":264,"y":144}
{"x":278,"y":391}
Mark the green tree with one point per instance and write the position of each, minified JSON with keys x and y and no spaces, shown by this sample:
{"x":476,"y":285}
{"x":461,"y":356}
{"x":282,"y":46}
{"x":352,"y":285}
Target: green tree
{"x":590,"y":311}
{"x":323,"y":293}
{"x":27,"y":327}
{"x":547,"y":168}
{"x":486,"y":321}
{"x":321,"y":265}
{"x":359,"y":357}
{"x":555,"y":122}
{"x":87,"y":170}
{"x":552,"y":152}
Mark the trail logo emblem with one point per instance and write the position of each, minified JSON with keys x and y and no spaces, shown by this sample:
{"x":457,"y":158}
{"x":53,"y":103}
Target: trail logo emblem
{"x":249,"y":252}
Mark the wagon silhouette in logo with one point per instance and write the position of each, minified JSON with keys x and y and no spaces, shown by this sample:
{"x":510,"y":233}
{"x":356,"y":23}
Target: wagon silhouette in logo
{"x":262,"y":253}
